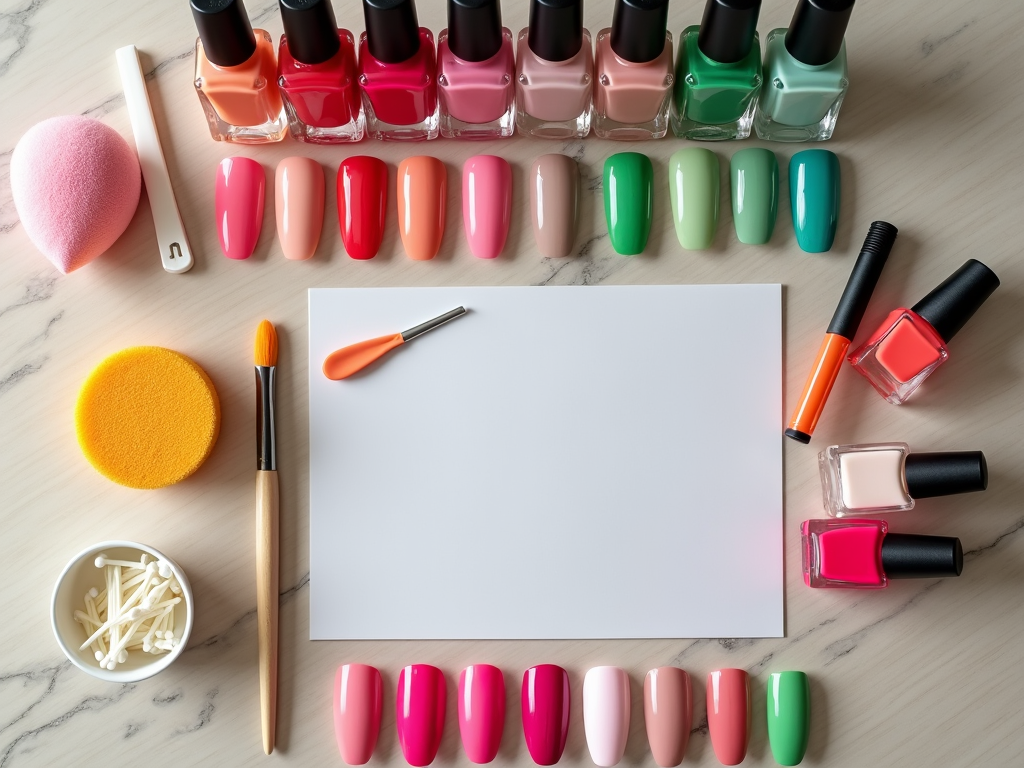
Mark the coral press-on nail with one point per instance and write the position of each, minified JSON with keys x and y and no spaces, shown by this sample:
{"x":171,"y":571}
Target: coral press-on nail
{"x":814,"y":198}
{"x":668,"y":714}
{"x":693,"y":187}
{"x":789,"y":716}
{"x":419,"y":712}
{"x":358,"y":696}
{"x":606,"y":714}
{"x":362,"y":203}
{"x":628,"y":201}
{"x":554,"y":204}
{"x":481,"y":711}
{"x":545,"y":702}
{"x":422,"y":197}
{"x":299,"y":204}
{"x":729,"y":714}
{"x":241,"y":186}
{"x":486,"y":204}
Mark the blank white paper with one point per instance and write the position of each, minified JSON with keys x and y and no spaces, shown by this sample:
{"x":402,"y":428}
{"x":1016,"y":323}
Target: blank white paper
{"x":561,"y":462}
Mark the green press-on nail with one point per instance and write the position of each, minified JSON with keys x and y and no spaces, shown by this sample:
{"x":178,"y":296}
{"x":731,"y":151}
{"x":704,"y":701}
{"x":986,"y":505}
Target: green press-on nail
{"x":789,"y":716}
{"x":814,"y":197}
{"x":755,"y":194}
{"x":693,"y":184}
{"x":628,"y":201}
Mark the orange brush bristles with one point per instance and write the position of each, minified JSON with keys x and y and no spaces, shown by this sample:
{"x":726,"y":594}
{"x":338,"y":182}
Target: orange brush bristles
{"x":266,"y":344}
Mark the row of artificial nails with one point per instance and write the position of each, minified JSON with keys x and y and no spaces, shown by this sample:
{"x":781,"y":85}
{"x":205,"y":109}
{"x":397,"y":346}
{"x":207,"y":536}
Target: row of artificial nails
{"x":421,"y":701}
{"x":479,"y":83}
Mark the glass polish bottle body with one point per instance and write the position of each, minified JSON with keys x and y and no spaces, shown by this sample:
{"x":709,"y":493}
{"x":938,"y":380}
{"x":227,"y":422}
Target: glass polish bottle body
{"x":553,"y":98}
{"x":631,"y":99}
{"x":864,"y":479}
{"x":322,"y":100}
{"x":477,"y":98}
{"x":843,"y":553}
{"x":400,"y":98}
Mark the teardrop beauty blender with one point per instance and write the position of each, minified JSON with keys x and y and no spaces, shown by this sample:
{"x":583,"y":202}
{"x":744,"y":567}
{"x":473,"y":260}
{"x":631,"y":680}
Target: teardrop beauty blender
{"x":76,"y":184}
{"x":147,"y":417}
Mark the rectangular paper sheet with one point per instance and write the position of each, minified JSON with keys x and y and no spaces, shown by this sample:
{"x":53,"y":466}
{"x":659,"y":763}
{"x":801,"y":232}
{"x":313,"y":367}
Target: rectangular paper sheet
{"x":561,"y":462}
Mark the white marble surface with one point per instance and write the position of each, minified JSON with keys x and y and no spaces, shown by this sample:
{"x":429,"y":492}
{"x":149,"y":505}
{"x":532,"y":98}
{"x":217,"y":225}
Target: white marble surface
{"x":924,"y":673}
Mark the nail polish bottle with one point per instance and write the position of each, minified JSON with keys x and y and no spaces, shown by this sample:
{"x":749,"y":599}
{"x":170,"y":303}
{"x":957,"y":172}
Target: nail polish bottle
{"x":396,"y":72}
{"x":886,"y":477}
{"x":718,"y":73}
{"x":316,"y":70}
{"x":861,"y":554}
{"x":911,"y":343}
{"x":633,"y":69}
{"x":236,"y":75}
{"x":475,"y":70}
{"x":554,"y":72}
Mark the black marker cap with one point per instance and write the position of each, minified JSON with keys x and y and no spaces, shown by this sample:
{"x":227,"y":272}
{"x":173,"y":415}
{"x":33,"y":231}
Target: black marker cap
{"x":392,"y":30}
{"x":817,"y":30}
{"x":727,"y":29}
{"x":474,"y":28}
{"x":945,"y":473}
{"x":638,"y":29}
{"x":311,"y":29}
{"x":225,"y":31}
{"x":912,"y":556}
{"x":952,"y":304}
{"x":556,"y":28}
{"x":863,"y":279}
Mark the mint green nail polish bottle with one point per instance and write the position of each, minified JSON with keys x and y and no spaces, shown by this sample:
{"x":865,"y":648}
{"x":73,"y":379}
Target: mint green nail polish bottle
{"x":718,"y":73}
{"x":805,"y":76}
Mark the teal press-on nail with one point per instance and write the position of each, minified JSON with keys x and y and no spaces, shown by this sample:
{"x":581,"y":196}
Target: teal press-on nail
{"x":789,"y":716}
{"x":814,"y":198}
{"x":628,"y":201}
{"x":693,"y":185}
{"x":754,"y":175}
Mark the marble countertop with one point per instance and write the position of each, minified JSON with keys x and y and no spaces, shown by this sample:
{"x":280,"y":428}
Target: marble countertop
{"x":923,"y":673}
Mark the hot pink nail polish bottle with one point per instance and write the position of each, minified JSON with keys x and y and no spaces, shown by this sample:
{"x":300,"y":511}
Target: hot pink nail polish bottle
{"x":475,"y":68}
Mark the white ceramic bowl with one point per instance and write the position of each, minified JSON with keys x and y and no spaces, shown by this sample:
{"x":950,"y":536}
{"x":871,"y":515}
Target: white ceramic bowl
{"x":77,"y":578}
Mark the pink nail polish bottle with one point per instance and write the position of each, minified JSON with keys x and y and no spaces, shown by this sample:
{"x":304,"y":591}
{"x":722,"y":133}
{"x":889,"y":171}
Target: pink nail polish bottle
{"x":554,"y":72}
{"x":862,"y":554}
{"x":633,"y":67}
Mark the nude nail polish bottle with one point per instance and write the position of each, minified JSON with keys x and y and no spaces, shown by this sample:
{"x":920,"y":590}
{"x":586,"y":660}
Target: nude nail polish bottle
{"x":633,"y":71}
{"x":236,"y":75}
{"x":554,"y":72}
{"x":475,"y":69}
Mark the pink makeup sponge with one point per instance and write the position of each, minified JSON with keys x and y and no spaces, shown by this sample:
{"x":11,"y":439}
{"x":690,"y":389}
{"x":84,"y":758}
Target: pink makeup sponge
{"x":76,"y":186}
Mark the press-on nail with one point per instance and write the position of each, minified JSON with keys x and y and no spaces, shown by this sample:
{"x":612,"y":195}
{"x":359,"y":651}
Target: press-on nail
{"x":693,"y":184}
{"x":545,"y":704}
{"x":358,"y":696}
{"x":422,"y":198}
{"x":729,"y":714}
{"x":419,"y":712}
{"x":554,"y":204}
{"x":814,"y":198}
{"x":299,"y":205}
{"x":606,"y":714}
{"x":789,"y":716}
{"x":362,"y":203}
{"x":241,"y":186}
{"x":668,"y":714}
{"x":481,"y":711}
{"x":628,"y":201}
{"x":755,"y":194}
{"x":486,"y":204}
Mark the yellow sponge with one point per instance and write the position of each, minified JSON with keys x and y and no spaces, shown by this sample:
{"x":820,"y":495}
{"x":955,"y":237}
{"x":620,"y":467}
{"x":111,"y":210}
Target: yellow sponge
{"x":147,"y":417}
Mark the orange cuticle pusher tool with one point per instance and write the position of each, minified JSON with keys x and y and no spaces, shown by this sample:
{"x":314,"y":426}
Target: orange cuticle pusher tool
{"x":342,"y":363}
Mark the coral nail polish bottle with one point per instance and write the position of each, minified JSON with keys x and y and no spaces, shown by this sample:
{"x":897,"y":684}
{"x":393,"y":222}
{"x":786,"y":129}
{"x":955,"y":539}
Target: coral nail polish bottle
{"x":236,"y":75}
{"x":396,"y":72}
{"x":554,"y":72}
{"x":886,"y":477}
{"x":316,"y":71}
{"x":633,"y":68}
{"x":862,"y":554}
{"x":475,"y":70}
{"x":911,"y":343}
{"x":718,"y":73}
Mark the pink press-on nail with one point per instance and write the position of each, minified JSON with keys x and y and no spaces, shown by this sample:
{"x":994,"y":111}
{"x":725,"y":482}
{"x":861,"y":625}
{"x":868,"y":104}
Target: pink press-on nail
{"x":358,"y":696}
{"x":299,"y":205}
{"x":729,"y":714}
{"x":606,"y":714}
{"x":486,"y":204}
{"x":419,"y":712}
{"x":545,"y":702}
{"x":481,"y":711}
{"x":241,"y":186}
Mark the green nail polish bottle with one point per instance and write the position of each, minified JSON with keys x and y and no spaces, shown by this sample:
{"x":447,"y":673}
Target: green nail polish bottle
{"x":718,"y":73}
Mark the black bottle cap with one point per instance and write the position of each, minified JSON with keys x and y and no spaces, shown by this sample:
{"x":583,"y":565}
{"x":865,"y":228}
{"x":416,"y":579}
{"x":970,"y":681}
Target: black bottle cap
{"x":727,"y":29}
{"x":948,"y":308}
{"x":392,"y":30}
{"x":816,"y":32}
{"x":912,"y":556}
{"x":638,"y":29}
{"x":945,"y":473}
{"x":863,"y":279}
{"x":225,"y":31}
{"x":474,"y":28}
{"x":311,"y":29}
{"x":556,"y":28}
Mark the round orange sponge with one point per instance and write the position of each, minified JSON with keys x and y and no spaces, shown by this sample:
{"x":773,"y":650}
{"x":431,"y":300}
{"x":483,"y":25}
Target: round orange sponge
{"x":147,"y":417}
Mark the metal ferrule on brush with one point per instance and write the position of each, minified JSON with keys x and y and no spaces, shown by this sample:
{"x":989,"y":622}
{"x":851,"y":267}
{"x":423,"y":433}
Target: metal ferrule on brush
{"x":266,"y":437}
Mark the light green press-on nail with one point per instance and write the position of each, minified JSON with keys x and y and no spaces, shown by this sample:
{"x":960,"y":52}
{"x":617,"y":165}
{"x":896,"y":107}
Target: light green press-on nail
{"x":693,"y":184}
{"x":755,"y":194}
{"x":628,"y":201}
{"x":814,"y":198}
{"x":789,"y":716}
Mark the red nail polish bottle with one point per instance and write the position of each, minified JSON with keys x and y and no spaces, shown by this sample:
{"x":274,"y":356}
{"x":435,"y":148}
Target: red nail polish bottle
{"x":911,"y":343}
{"x":316,"y":70}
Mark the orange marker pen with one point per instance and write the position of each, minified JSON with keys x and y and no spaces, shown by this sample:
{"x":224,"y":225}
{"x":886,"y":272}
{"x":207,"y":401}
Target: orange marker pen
{"x":842,"y":329}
